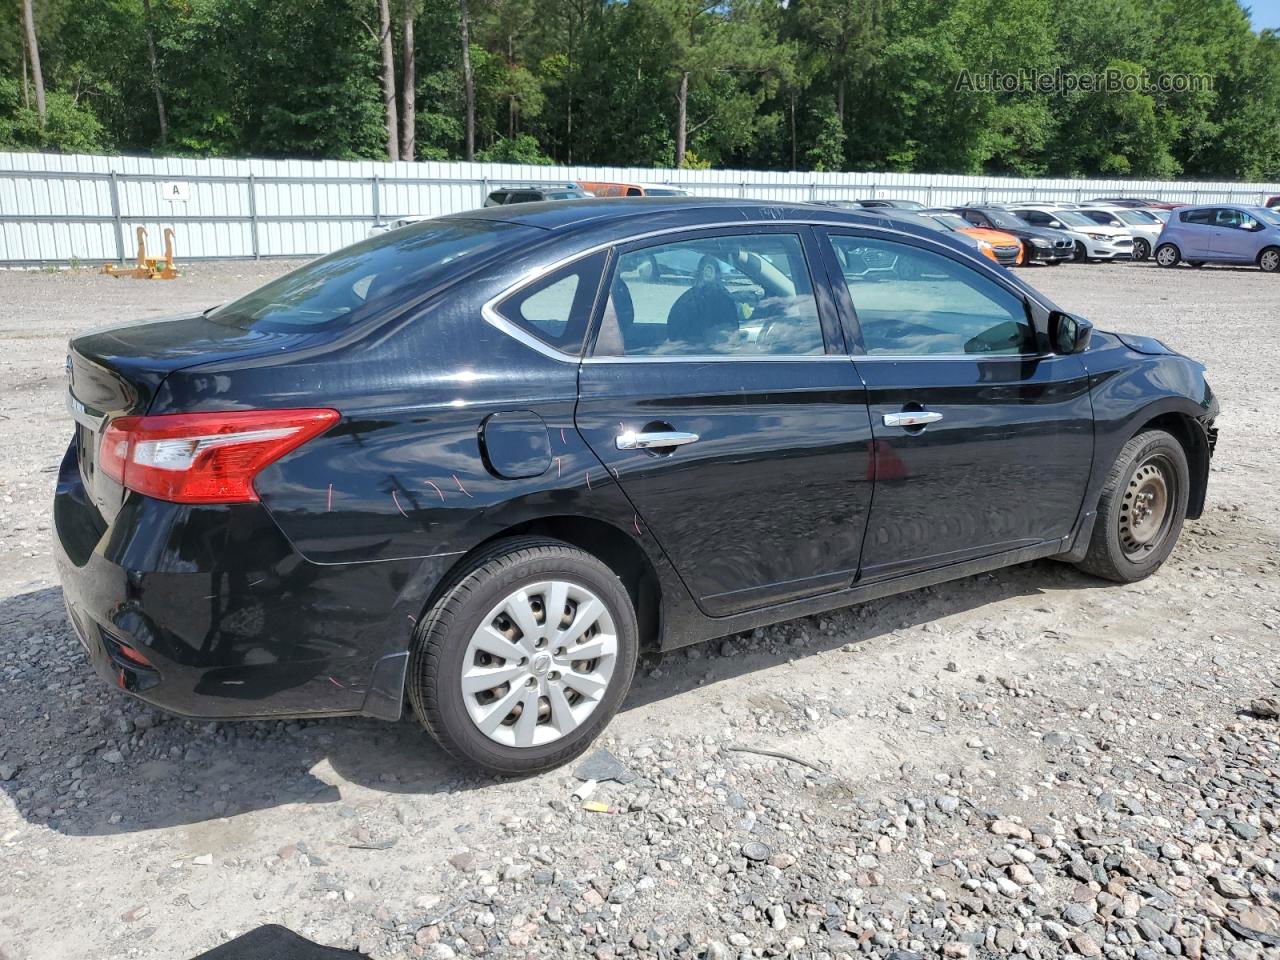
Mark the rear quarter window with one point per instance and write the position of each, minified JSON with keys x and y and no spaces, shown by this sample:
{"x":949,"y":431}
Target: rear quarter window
{"x":556,"y":309}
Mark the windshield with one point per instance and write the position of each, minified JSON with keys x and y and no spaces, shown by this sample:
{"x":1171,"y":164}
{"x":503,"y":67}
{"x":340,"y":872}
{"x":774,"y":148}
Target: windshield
{"x":1139,"y":217}
{"x":1002,"y":219}
{"x":328,"y":293}
{"x":1076,"y":219}
{"x":1268,"y":216}
{"x":952,"y":221}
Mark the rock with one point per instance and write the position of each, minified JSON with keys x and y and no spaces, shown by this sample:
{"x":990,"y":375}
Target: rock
{"x":1085,"y":945}
{"x":515,"y":872}
{"x":113,"y":757}
{"x":947,"y":804}
{"x":1268,"y":708}
{"x":1007,"y":828}
{"x":1229,"y":886}
{"x":465,"y":861}
{"x":1077,"y":915}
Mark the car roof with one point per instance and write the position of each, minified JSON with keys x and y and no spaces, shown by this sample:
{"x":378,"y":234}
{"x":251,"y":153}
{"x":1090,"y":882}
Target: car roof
{"x":572,"y":215}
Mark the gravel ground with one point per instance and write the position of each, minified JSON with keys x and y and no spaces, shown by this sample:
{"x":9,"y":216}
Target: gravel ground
{"x":1029,"y":763}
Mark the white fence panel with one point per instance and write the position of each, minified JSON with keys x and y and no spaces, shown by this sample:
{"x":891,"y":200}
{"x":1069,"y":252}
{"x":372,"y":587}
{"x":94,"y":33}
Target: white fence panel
{"x":60,"y":209}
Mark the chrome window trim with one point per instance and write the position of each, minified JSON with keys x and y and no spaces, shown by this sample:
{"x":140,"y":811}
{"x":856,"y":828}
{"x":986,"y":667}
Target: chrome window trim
{"x":495,"y":319}
{"x":724,"y":358}
{"x":489,"y":311}
{"x":971,"y":357}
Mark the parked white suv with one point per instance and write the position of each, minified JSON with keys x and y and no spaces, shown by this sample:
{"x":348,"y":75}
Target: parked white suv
{"x":1094,"y":241}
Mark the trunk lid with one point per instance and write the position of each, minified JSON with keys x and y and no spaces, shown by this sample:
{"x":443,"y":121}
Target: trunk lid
{"x":116,"y":372}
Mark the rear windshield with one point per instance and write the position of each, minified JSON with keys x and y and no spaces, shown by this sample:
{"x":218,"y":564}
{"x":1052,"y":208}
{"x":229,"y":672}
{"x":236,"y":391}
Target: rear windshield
{"x":331,"y":292}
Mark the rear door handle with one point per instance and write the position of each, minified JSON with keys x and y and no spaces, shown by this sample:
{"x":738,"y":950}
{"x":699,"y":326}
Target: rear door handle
{"x":630,"y":440}
{"x":911,"y":418}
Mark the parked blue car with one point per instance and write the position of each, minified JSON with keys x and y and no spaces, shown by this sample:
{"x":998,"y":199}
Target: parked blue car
{"x":1221,"y":234}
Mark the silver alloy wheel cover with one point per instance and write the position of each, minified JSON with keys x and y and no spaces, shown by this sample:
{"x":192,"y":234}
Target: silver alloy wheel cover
{"x":1166,"y":256}
{"x":1270,"y":260}
{"x":530,"y":677}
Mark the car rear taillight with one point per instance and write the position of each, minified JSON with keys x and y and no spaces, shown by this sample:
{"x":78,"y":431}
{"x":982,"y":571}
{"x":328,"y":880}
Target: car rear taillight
{"x":204,"y":457}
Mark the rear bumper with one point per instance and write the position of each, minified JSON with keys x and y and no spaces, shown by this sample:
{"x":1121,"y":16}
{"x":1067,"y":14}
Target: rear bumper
{"x":210,"y":612}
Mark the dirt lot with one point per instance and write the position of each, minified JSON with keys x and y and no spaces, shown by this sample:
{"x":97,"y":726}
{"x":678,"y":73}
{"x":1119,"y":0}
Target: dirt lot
{"x":1028,"y":763}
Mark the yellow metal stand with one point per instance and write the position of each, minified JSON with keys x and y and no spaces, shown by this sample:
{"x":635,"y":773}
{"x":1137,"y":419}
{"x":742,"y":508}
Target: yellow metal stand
{"x":148,"y":268}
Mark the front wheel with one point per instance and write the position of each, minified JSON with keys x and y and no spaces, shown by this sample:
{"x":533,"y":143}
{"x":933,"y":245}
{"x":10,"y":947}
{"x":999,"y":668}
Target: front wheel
{"x":1141,"y":509}
{"x":1167,"y":255}
{"x":525,"y":657}
{"x":1081,"y":253}
{"x":1269,"y":260}
{"x":1141,"y":250}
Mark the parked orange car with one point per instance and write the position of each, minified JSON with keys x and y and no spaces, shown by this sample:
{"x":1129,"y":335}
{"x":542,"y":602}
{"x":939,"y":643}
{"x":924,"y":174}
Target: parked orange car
{"x":1004,"y":248}
{"x":606,"y":189}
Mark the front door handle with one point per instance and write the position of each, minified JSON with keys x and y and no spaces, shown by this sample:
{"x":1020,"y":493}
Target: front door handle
{"x":630,"y":440}
{"x":911,"y":418}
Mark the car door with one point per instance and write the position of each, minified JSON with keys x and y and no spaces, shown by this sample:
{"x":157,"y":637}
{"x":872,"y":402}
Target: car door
{"x":1197,"y":233}
{"x":719,"y":394}
{"x":983,"y":443}
{"x":1236,"y":235}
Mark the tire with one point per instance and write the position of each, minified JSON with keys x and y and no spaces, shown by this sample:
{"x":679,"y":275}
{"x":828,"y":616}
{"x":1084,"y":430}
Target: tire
{"x":1269,"y":260}
{"x":1081,"y":254}
{"x":444,"y":647}
{"x":1168,"y":255}
{"x":1053,"y":263}
{"x":1141,"y":250}
{"x":1141,"y":509}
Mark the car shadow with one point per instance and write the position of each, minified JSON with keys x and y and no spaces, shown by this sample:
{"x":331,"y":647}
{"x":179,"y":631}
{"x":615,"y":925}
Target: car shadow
{"x":62,"y":726}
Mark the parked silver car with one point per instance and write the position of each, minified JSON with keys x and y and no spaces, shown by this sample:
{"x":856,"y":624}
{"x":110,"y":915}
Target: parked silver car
{"x":1218,"y":233}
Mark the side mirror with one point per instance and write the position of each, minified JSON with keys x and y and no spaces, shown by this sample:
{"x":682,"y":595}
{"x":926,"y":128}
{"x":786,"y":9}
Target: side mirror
{"x":1068,"y":333}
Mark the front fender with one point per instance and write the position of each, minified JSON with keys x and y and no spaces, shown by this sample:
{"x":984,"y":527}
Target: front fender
{"x":1131,"y":389}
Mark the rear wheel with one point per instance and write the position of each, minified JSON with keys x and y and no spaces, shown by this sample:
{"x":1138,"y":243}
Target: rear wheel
{"x":1167,"y":255}
{"x":1141,"y":509}
{"x":1269,"y":260}
{"x":1141,"y":249}
{"x":525,"y":657}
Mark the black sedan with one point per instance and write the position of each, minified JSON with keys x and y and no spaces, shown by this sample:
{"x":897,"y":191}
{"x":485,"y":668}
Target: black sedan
{"x":479,"y":463}
{"x":1040,"y":244}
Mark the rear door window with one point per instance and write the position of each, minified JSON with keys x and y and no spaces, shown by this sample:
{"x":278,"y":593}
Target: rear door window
{"x":1203,"y":217}
{"x":748,"y":295}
